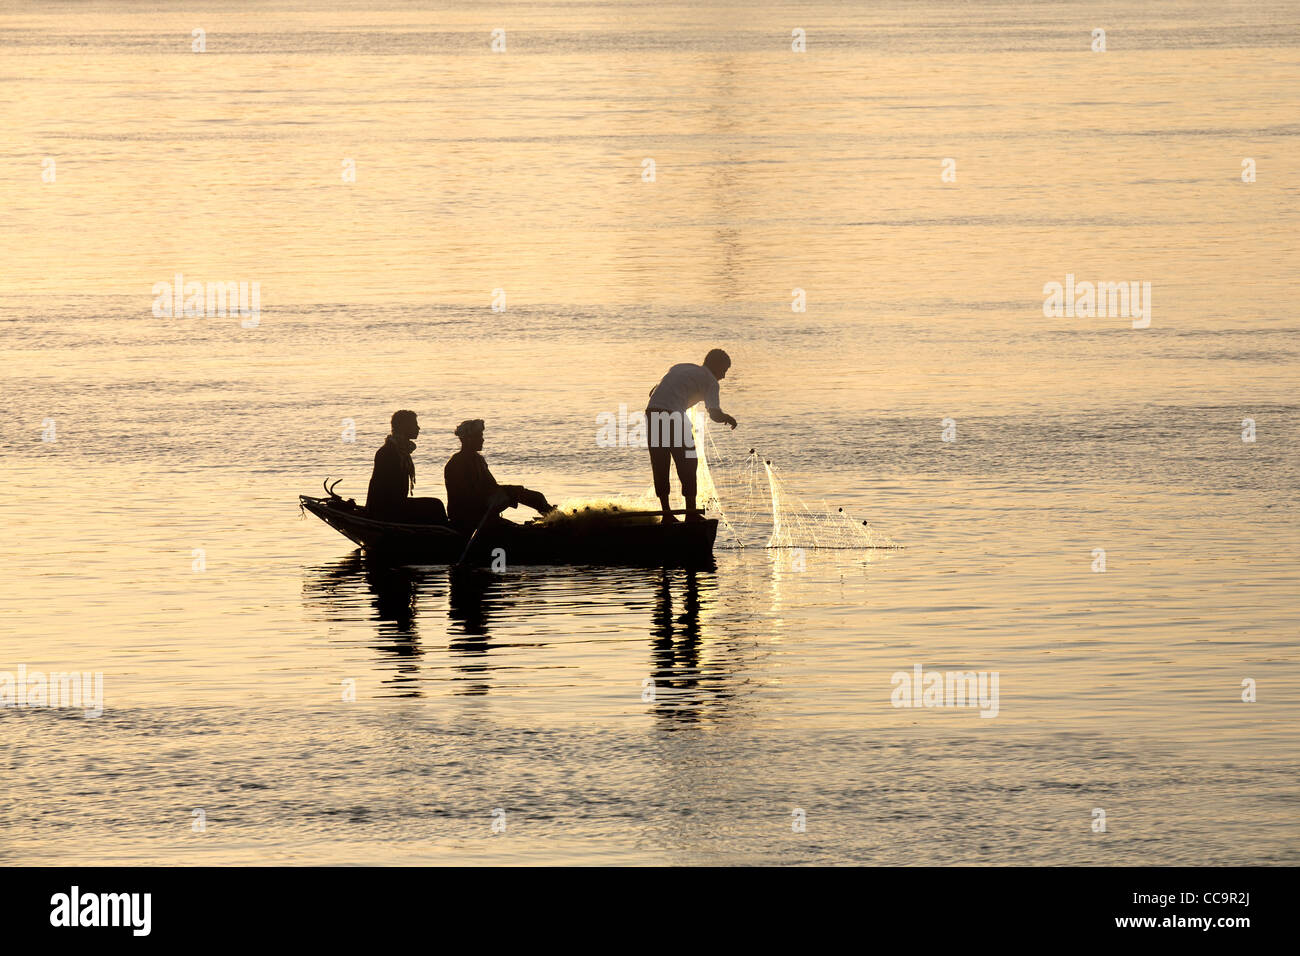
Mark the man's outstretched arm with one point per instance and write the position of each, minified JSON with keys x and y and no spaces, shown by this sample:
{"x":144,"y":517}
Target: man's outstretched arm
{"x":718,"y":415}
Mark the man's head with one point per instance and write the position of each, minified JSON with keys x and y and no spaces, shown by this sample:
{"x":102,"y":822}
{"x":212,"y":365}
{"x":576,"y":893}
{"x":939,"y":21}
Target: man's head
{"x":405,"y":424}
{"x":717,"y":362}
{"x":470,"y":433}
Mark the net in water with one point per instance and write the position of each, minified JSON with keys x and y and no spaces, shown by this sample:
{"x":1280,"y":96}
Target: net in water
{"x":756,"y":508}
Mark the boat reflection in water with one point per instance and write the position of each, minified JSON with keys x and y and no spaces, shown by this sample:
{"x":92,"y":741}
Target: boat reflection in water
{"x":399,"y":595}
{"x":405,"y":627}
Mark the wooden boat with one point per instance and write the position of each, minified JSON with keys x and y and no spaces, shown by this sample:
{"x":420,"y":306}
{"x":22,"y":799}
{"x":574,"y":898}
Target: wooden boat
{"x":627,"y":539}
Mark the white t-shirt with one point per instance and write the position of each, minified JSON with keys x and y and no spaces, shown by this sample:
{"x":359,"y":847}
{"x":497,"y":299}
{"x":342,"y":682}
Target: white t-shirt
{"x":684,"y":387}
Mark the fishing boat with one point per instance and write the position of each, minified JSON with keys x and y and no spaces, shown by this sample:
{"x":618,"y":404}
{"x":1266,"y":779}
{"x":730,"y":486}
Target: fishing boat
{"x":627,"y":538}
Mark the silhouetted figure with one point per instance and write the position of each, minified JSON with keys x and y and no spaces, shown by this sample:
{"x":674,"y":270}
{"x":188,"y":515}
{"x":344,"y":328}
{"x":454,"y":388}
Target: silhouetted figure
{"x":391,"y":483}
{"x":472,"y":492}
{"x":669,"y":430}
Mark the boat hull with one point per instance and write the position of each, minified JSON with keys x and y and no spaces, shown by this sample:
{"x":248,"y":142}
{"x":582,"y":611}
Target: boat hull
{"x":616,"y":542}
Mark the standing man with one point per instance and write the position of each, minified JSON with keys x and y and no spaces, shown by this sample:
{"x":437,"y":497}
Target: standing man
{"x":393,"y":480}
{"x":680,"y":390}
{"x":472,"y":492}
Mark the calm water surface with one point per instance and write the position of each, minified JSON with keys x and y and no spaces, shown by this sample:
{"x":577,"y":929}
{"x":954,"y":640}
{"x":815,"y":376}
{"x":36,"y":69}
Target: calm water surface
{"x":774,"y":171}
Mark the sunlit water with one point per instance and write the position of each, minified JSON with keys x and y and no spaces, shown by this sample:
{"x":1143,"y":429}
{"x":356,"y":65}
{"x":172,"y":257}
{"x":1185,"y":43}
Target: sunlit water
{"x":527,"y":691}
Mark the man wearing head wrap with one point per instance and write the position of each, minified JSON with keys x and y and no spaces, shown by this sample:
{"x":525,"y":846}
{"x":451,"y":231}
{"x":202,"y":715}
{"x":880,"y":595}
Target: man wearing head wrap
{"x":472,"y":492}
{"x":391,"y":483}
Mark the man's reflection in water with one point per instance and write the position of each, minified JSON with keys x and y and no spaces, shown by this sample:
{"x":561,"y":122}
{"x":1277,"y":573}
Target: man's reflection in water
{"x":394,"y":594}
{"x":397,"y":594}
{"x":471,"y":604}
{"x":675,"y":647}
{"x":477,"y":598}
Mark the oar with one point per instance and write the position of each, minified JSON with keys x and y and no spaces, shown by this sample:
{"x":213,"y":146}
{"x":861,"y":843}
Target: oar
{"x":489,"y":512}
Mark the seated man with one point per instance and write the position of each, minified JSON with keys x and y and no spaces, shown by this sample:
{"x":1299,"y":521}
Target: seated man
{"x":388,"y":497}
{"x":472,"y":492}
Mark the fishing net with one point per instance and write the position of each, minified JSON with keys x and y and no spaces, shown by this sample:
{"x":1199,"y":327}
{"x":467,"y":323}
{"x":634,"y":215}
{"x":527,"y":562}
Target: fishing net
{"x":577,"y":514}
{"x":755,"y":508}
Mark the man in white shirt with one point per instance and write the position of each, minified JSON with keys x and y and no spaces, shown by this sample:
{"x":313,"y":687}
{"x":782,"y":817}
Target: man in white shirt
{"x":669,"y":430}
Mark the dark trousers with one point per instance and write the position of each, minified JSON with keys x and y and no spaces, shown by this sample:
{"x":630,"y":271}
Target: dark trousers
{"x":665,"y":447}
{"x":424,"y":511}
{"x":409,"y":511}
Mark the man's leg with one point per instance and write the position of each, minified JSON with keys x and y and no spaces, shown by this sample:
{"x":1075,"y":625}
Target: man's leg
{"x":686,"y":473}
{"x":659,"y":463}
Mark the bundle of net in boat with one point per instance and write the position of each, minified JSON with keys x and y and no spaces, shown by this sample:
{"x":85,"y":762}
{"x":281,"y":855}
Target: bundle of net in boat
{"x":755,"y":507}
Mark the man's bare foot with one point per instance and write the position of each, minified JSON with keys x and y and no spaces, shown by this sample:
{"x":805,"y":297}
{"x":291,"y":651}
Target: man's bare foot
{"x":669,"y":518}
{"x":694,"y":516}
